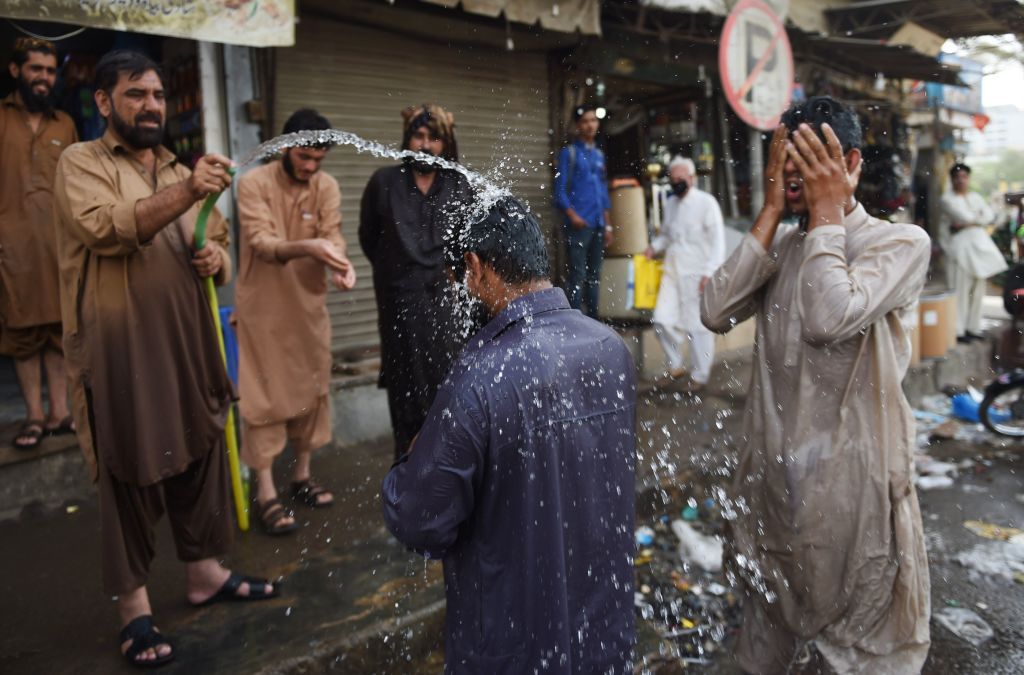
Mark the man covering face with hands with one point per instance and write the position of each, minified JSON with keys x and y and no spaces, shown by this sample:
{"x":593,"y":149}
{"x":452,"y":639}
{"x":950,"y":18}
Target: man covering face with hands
{"x":828,"y":541}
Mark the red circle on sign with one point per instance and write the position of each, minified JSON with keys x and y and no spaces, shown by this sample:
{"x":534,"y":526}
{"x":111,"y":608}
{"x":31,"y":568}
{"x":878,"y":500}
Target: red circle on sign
{"x":780,"y":45}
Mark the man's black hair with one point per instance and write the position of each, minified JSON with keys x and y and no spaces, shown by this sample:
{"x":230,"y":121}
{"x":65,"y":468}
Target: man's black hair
{"x":818,"y":110}
{"x":582,"y":110}
{"x":508,"y":238}
{"x":959,"y":166}
{"x":307,"y":119}
{"x":110,"y":67}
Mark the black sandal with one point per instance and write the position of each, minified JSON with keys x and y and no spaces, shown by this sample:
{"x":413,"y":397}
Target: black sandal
{"x":307,"y":491}
{"x":229,"y":591}
{"x":32,"y":430}
{"x":144,"y":635}
{"x":65,"y":426}
{"x":272,"y":512}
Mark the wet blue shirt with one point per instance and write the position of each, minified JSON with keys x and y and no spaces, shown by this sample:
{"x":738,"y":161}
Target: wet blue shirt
{"x":583,"y":184}
{"x":522,"y":480}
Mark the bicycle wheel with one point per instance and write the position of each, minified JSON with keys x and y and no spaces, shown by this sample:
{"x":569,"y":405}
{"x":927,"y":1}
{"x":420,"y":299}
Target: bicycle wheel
{"x":1002,"y":409}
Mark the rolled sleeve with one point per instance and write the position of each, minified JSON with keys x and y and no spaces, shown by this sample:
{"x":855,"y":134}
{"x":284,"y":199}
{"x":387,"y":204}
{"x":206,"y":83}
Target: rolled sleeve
{"x":431,"y":491}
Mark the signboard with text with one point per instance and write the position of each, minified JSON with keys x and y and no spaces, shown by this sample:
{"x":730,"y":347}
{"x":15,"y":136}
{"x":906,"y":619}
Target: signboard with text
{"x":254,"y":23}
{"x":755,"y":62}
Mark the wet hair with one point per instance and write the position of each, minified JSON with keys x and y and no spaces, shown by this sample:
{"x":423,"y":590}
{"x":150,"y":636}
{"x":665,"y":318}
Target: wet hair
{"x":110,"y":67}
{"x":958,"y":167}
{"x":439,"y":121}
{"x":582,"y":110}
{"x":508,"y":238}
{"x":24,"y":45}
{"x":307,"y":119}
{"x":818,"y":110}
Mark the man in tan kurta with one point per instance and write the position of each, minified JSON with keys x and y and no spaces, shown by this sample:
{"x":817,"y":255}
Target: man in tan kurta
{"x":32,"y":137}
{"x":290,"y":218}
{"x":149,"y":388}
{"x":826,"y":534}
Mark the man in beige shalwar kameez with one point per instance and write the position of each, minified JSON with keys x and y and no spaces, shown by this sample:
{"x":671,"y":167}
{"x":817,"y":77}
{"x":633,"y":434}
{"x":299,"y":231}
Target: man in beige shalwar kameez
{"x":149,"y":389}
{"x":827,"y":534}
{"x":290,"y":216}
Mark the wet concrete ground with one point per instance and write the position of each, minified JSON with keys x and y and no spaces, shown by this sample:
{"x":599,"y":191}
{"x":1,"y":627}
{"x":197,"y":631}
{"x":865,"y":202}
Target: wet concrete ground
{"x":353,"y":601}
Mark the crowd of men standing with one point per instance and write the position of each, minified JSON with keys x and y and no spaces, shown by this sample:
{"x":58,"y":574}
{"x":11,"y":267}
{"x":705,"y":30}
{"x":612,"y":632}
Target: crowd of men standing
{"x":514,"y":450}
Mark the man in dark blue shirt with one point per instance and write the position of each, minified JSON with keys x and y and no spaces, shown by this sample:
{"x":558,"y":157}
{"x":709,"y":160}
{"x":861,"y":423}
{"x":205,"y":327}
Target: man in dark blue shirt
{"x":581,"y":193}
{"x":522,"y":476}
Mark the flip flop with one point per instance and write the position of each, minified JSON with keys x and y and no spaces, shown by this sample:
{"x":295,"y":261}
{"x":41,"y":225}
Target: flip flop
{"x":31,"y":429}
{"x":272,"y":512}
{"x":229,"y":591}
{"x":65,"y":426}
{"x":144,"y":635}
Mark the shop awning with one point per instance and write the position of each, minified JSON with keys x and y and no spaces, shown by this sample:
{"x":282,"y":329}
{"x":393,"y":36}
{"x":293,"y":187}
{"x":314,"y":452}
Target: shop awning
{"x":254,"y":23}
{"x":892,"y":61}
{"x":949,"y":18}
{"x":566,"y":16}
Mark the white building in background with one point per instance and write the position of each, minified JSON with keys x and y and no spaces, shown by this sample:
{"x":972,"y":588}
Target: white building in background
{"x":1004,"y":131}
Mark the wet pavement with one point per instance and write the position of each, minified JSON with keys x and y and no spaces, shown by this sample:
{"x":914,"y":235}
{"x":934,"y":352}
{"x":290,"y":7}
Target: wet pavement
{"x":353,"y":601}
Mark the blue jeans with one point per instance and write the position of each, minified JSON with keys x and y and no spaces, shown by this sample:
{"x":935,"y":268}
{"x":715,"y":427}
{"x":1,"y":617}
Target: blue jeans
{"x":585,"y":254}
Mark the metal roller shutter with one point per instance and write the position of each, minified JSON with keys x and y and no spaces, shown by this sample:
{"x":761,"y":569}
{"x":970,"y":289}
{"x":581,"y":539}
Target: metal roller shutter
{"x":361,"y":78}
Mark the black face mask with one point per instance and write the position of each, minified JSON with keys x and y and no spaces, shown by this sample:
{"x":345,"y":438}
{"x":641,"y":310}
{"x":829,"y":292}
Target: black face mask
{"x":419,"y":166}
{"x":679,"y":189}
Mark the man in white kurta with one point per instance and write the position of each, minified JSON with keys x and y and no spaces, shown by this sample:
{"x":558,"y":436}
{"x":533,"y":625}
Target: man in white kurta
{"x":971,"y":255}
{"x":693,"y":243}
{"x":826,"y":533}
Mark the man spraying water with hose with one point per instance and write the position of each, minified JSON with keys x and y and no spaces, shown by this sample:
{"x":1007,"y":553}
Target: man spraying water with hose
{"x":149,"y":387}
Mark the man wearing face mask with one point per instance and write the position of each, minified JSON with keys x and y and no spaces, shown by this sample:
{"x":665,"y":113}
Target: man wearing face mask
{"x":828,"y":544}
{"x":403,"y":216}
{"x":692,"y":240}
{"x":522,"y":478}
{"x":290,"y":226}
{"x":32,"y":137}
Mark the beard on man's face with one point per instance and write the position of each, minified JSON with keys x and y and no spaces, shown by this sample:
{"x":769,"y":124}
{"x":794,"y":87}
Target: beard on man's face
{"x":140,"y":138}
{"x":34,"y":101}
{"x":289,"y":168}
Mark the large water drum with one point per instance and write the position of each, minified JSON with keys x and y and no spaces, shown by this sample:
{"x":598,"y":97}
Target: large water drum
{"x":629,"y":220}
{"x":937,"y":313}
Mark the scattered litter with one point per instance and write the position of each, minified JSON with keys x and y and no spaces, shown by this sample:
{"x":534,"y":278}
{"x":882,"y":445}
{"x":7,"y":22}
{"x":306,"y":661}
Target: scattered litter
{"x":945,"y":431}
{"x":952,"y":602}
{"x":644,"y":536}
{"x":700,"y":549}
{"x":690,"y":514}
{"x":994,"y":559}
{"x":929,"y":466}
{"x":933,"y":482}
{"x":715,"y":588}
{"x":965,"y":624}
{"x":978,"y":489}
{"x":981,"y":605}
{"x":990,"y":531}
{"x":1020,"y":497}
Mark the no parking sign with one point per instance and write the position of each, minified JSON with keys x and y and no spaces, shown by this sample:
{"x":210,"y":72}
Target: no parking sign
{"x":755,"y":61}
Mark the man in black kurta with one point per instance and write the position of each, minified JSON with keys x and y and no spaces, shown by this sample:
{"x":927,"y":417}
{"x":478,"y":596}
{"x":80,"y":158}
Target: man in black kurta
{"x":403,"y":215}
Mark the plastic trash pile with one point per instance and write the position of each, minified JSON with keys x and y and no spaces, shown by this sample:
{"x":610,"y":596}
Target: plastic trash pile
{"x":681,"y":590}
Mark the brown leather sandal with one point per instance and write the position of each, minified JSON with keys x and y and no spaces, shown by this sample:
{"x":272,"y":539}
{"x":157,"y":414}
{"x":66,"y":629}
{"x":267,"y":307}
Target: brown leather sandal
{"x":272,"y":512}
{"x":308,"y":491}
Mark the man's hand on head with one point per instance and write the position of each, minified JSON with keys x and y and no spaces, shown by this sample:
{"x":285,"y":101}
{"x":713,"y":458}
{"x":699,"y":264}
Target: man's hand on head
{"x":210,"y":176}
{"x":828,"y":185}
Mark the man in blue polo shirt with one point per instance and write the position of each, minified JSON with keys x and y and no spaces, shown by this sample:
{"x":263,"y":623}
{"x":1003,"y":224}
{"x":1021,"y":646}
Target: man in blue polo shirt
{"x":522,"y":477}
{"x":581,"y":193}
